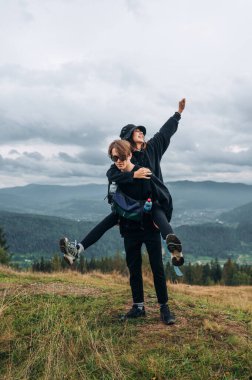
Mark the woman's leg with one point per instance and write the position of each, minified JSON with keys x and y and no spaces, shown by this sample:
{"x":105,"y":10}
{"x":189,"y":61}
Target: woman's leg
{"x":173,"y":243}
{"x":160,"y":219}
{"x":96,"y":233}
{"x":72,"y":250}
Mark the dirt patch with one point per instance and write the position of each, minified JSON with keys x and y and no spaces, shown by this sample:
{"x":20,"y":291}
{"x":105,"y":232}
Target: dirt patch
{"x":53,"y":288}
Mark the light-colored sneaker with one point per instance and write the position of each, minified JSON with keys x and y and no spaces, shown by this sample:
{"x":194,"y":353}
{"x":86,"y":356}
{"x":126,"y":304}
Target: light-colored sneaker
{"x":70,"y":249}
{"x":175,"y":247}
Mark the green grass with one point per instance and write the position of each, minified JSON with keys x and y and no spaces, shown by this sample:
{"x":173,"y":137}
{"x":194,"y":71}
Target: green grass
{"x":66,"y":326}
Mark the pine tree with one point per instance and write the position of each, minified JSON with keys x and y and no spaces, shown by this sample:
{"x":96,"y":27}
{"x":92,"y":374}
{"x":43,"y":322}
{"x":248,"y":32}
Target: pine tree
{"x":216,"y":271}
{"x":56,"y":263}
{"x":82,"y":265}
{"x":206,"y":274}
{"x":229,"y":270}
{"x":188,"y":274}
{"x":3,"y":242}
{"x":5,"y":257}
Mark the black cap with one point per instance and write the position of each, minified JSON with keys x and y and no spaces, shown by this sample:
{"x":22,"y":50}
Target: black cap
{"x":127,"y":131}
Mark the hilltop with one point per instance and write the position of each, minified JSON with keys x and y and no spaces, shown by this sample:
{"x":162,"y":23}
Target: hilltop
{"x":66,"y":326}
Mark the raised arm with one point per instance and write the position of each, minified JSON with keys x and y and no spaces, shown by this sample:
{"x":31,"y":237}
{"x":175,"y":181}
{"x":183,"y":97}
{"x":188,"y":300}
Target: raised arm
{"x":161,"y":140}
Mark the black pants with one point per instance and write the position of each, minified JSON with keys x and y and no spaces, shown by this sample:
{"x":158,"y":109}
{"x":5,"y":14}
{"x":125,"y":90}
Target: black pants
{"x":158,"y":216}
{"x":160,"y":219}
{"x":96,"y":233}
{"x":133,"y":244}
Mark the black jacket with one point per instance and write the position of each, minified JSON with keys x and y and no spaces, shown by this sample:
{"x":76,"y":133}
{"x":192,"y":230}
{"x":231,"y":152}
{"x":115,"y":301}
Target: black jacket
{"x":150,"y":157}
{"x":141,"y":190}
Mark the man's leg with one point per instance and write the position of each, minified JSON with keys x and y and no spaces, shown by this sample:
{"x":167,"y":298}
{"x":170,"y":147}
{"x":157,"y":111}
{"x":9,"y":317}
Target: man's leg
{"x":134,"y":262}
{"x":154,"y":249}
{"x":153,"y":245}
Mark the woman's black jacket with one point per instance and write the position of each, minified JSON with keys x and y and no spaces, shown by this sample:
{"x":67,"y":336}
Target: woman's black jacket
{"x":150,"y":157}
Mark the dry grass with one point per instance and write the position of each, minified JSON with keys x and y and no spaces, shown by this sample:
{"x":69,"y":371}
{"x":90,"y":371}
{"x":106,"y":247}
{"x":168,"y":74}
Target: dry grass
{"x":237,"y":297}
{"x":63,"y":326}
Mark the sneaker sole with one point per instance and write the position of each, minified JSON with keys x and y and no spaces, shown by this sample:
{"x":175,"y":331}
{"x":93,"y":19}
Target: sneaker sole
{"x":124,"y":317}
{"x":173,"y":243}
{"x":68,"y":259}
{"x":177,"y":258}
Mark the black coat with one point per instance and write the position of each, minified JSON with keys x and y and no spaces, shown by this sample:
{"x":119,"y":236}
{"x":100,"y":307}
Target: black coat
{"x":150,"y":157}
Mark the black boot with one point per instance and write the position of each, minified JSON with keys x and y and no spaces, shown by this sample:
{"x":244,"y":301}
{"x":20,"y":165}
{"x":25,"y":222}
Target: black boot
{"x":165,"y":315}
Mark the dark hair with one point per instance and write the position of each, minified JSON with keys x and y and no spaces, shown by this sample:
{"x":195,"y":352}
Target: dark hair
{"x":123,"y":147}
{"x":133,"y":144}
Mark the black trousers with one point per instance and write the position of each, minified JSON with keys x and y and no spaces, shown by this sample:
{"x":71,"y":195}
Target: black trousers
{"x":133,"y":244}
{"x":160,"y":219}
{"x":158,"y":216}
{"x":96,"y":233}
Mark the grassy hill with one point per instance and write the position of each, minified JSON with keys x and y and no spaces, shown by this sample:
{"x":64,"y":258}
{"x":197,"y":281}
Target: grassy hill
{"x":66,"y":326}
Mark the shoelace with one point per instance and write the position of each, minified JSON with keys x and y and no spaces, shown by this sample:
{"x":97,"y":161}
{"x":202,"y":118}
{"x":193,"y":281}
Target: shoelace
{"x":72,"y":247}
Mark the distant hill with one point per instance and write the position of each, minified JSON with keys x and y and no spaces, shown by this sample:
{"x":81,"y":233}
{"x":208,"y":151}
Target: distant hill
{"x":30,"y":236}
{"x":66,"y":201}
{"x":241,"y":217}
{"x":209,"y":194}
{"x":242,"y":214}
{"x":212,"y":240}
{"x":193,"y":201}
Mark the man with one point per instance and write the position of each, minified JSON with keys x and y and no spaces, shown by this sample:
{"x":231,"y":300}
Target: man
{"x":137,"y":233}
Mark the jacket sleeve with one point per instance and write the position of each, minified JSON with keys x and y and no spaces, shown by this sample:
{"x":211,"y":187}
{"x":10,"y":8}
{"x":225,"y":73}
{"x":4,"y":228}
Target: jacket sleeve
{"x":115,"y":175}
{"x":161,"y":140}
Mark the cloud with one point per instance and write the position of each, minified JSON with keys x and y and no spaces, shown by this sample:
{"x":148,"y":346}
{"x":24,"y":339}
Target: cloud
{"x":74,"y":73}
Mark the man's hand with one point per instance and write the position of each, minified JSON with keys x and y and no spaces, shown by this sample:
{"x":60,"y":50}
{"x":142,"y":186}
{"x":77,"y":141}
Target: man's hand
{"x":142,"y":173}
{"x":181,"y":105}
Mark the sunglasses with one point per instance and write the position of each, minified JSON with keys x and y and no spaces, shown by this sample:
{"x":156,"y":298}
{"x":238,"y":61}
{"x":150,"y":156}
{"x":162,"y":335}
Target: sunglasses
{"x":116,"y":158}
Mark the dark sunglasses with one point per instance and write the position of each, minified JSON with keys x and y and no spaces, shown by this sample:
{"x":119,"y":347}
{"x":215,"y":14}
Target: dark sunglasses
{"x":116,"y":158}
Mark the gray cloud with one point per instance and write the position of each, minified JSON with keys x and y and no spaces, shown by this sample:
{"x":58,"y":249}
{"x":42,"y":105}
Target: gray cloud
{"x":73,"y":73}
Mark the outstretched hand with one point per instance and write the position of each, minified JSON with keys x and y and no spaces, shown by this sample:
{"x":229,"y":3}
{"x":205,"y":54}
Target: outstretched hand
{"x":182,"y":104}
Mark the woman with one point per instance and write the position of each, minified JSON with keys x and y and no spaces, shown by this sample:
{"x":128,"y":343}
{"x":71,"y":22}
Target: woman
{"x":148,"y":155}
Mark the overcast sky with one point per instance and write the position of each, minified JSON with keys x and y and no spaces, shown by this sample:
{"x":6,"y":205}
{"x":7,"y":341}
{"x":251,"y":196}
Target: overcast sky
{"x":74,"y":72}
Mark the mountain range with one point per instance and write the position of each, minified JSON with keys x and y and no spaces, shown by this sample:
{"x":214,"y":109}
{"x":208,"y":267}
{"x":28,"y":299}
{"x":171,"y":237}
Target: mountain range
{"x":212,"y":219}
{"x":193,"y":201}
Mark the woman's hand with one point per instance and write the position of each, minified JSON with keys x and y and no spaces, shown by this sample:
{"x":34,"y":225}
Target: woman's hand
{"x":181,"y":105}
{"x":142,"y":173}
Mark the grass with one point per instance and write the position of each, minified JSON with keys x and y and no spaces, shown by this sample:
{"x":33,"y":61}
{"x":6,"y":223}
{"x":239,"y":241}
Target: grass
{"x":66,"y":326}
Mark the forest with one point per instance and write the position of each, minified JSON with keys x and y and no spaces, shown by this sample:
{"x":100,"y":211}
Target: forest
{"x":230,"y":274}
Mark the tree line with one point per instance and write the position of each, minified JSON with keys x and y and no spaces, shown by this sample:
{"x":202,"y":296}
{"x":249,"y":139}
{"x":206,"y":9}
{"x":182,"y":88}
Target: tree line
{"x":199,"y":240}
{"x":212,"y":273}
